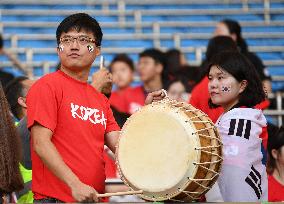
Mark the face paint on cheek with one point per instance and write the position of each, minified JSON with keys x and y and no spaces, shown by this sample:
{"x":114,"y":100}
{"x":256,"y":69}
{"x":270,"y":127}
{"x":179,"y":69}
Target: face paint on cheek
{"x":60,"y":48}
{"x":90,"y":48}
{"x":226,"y":88}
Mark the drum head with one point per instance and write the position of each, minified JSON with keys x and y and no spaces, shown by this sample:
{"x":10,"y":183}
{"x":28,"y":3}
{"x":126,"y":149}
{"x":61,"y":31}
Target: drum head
{"x":156,"y":151}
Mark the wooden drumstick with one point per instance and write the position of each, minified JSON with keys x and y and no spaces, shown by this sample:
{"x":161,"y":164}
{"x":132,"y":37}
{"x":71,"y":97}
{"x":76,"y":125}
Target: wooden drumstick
{"x":102,"y":62}
{"x":119,"y":193}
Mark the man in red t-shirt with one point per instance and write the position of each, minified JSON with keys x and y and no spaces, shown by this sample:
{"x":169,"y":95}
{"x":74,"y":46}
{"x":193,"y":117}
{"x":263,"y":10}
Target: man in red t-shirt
{"x":70,"y":121}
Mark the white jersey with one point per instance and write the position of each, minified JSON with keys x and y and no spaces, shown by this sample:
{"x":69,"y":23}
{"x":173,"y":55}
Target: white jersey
{"x":243,"y":176}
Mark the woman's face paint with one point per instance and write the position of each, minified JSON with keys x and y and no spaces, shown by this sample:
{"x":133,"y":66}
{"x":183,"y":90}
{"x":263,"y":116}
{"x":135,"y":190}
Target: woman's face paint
{"x":90,"y":48}
{"x":226,"y":88}
{"x":61,"y":48}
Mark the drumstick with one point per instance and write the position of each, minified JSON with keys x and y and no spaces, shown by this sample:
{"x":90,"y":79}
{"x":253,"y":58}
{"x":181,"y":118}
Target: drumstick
{"x":102,"y":62}
{"x":120,"y":193}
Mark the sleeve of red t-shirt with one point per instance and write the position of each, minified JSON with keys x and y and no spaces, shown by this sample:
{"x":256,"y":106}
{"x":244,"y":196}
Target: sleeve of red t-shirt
{"x":111,"y":123}
{"x":42,"y":105}
{"x":197,"y":94}
{"x":194,"y":98}
{"x":264,"y":137}
{"x":121,"y":100}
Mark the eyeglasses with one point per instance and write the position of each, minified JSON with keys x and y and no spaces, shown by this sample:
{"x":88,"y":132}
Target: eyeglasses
{"x":82,"y":40}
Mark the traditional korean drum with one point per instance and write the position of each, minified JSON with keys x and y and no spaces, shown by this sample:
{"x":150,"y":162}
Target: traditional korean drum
{"x":170,"y":150}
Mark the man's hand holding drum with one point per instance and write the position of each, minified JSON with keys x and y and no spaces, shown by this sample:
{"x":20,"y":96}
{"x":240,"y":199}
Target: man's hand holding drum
{"x":155,"y":96}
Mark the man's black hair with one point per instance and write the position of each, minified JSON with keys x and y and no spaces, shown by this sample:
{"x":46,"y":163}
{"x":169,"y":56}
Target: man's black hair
{"x":13,"y":90}
{"x":78,"y":22}
{"x":123,"y":58}
{"x":157,"y":55}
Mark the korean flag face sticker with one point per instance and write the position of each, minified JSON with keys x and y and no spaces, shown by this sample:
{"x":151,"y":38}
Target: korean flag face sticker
{"x":226,"y":88}
{"x":60,"y":48}
{"x":90,"y":48}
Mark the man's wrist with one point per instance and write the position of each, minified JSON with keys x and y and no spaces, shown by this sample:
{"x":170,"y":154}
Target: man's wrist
{"x":97,"y":86}
{"x":72,"y":182}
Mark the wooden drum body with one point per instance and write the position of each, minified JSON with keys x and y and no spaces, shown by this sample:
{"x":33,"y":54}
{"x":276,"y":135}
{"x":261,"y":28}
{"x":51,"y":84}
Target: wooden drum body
{"x":170,"y":150}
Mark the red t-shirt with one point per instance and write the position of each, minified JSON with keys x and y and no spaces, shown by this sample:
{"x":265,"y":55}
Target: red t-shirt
{"x":275,"y":190}
{"x":110,"y":166}
{"x":79,"y":117}
{"x":199,"y":99}
{"x":116,"y":99}
{"x":128,"y":100}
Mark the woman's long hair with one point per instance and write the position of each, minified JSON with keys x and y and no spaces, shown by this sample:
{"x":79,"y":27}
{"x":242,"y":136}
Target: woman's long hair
{"x":10,"y":150}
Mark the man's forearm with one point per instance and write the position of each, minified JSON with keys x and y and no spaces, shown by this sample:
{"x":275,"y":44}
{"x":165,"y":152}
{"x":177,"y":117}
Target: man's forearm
{"x":52,"y":159}
{"x":111,"y":140}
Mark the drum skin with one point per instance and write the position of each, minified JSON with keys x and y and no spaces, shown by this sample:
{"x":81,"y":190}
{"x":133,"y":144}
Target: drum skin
{"x":170,"y":150}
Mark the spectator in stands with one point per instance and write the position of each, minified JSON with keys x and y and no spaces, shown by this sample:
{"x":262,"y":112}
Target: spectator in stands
{"x":233,"y":29}
{"x":174,"y":60}
{"x":122,"y":69}
{"x":191,"y":73}
{"x":178,"y":89}
{"x":150,"y":68}
{"x":200,"y":95}
{"x":10,"y":177}
{"x":70,"y":121}
{"x":16,"y":91}
{"x":275,"y":166}
{"x":234,"y":84}
{"x":13,"y":59}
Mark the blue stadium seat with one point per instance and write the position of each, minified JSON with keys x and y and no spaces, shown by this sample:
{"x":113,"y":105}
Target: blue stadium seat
{"x":37,"y":43}
{"x":269,"y":55}
{"x":128,"y":43}
{"x":264,"y":29}
{"x":24,"y":30}
{"x":262,"y":42}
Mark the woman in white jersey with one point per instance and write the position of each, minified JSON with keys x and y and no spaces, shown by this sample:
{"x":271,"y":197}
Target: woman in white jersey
{"x":235,"y":85}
